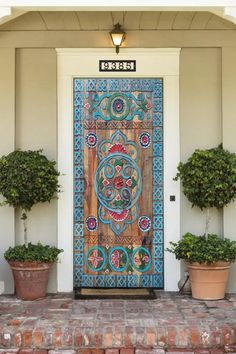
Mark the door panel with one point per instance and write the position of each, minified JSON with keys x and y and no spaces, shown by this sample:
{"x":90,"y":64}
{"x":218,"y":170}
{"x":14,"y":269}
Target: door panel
{"x":118,"y":183}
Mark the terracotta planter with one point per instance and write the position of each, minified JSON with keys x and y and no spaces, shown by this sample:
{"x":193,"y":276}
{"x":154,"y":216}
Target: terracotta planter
{"x":208,"y":282}
{"x":31,"y":279}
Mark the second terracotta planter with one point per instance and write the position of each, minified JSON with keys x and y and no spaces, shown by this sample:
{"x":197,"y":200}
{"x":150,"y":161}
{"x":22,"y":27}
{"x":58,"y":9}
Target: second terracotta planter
{"x":31,"y":279}
{"x":208,"y":281}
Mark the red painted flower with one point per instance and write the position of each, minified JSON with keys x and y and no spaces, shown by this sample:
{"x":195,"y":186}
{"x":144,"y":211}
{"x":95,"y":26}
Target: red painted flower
{"x":87,"y":105}
{"x":145,"y":139}
{"x":91,"y":140}
{"x":129,"y":182}
{"x":118,"y":168}
{"x":105,"y":182}
{"x":115,"y":259}
{"x":149,"y":105}
{"x":146,"y":259}
{"x":94,"y":258}
{"x":119,"y":216}
{"x":144,"y":223}
{"x":118,"y":182}
{"x":137,"y":260}
{"x":117,"y":148}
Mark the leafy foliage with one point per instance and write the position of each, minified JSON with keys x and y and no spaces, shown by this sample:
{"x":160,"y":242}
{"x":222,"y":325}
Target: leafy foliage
{"x":33,"y":253}
{"x":209,"y":177}
{"x":200,"y":249}
{"x":27,"y":178}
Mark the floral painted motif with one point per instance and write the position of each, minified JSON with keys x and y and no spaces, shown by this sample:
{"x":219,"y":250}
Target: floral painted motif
{"x":91,"y":140}
{"x":91,"y":223}
{"x":96,"y":258}
{"x":118,"y":105}
{"x":118,"y":182}
{"x":144,"y":223}
{"x":145,"y":139}
{"x":141,"y":259}
{"x":115,"y":259}
{"x":119,"y":258}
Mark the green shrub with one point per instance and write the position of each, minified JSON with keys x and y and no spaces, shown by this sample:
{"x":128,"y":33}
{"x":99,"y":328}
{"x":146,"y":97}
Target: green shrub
{"x":200,"y":249}
{"x":27,"y":178}
{"x":209,"y":177}
{"x":209,"y":180}
{"x":33,"y":253}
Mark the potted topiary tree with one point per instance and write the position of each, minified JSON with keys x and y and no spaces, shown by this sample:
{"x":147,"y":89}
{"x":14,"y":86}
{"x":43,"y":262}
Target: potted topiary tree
{"x":209,"y":180}
{"x":28,"y":178}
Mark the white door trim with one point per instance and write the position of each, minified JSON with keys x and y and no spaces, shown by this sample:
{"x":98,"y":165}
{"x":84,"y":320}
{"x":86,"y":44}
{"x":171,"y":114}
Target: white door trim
{"x":150,"y":63}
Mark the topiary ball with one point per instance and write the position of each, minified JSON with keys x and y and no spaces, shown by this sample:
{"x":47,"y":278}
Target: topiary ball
{"x":209,"y":177}
{"x":27,"y":178}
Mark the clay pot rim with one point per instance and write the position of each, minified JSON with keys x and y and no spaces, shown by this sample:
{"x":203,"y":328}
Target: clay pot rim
{"x":215,"y":265}
{"x":30,"y":265}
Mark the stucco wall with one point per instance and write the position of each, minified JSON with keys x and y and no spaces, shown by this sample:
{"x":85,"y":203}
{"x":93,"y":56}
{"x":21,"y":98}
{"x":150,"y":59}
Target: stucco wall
{"x":200,"y":121}
{"x":35,"y":127}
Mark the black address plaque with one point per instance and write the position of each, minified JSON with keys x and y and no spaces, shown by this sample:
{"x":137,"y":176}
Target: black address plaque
{"x":117,"y":65}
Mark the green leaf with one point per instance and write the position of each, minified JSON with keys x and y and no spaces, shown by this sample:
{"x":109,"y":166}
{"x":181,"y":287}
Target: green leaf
{"x":134,"y":182}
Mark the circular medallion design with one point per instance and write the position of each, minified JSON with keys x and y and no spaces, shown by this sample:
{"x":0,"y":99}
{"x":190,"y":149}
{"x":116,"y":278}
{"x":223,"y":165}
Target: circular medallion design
{"x":145,"y":140}
{"x":141,"y":259}
{"x":91,"y":140}
{"x":144,"y":223}
{"x":118,"y":259}
{"x":118,"y":189}
{"x":91,"y":223}
{"x":118,"y":106}
{"x":96,"y":258}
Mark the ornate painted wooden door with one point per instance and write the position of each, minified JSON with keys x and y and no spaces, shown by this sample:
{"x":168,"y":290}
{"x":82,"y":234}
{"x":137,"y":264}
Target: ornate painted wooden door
{"x":118,"y":183}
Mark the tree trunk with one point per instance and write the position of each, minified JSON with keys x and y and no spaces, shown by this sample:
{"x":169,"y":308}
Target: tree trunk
{"x":24,"y":218}
{"x":207,"y":222}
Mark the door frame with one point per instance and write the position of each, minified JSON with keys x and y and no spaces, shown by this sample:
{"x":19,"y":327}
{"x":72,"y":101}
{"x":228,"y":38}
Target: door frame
{"x":150,"y":63}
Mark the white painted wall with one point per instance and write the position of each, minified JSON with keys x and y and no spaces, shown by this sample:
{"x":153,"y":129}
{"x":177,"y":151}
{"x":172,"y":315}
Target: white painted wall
{"x":36,"y":128}
{"x":200,"y":121}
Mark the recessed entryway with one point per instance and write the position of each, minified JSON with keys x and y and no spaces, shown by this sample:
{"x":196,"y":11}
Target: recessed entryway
{"x":157,"y":67}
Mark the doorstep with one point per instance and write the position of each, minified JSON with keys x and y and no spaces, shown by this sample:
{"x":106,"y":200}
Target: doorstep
{"x":169,"y":323}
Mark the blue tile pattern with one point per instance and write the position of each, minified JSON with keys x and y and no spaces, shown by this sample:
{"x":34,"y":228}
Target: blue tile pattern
{"x":83,"y":88}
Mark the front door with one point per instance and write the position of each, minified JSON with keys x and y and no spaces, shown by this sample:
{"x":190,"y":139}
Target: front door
{"x":118,"y":183}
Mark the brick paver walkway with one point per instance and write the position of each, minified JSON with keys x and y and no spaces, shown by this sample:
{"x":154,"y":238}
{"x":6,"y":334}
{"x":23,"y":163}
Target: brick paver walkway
{"x":168,"y":323}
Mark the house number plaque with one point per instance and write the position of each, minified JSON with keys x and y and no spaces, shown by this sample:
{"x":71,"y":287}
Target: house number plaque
{"x":117,"y":65}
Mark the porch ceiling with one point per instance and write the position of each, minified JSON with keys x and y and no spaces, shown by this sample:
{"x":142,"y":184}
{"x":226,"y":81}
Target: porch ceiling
{"x":104,"y":20}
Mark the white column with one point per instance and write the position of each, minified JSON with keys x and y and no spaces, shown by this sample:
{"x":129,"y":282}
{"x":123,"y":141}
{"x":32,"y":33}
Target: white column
{"x":171,"y":160}
{"x":7,"y":144}
{"x":229,"y":139}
